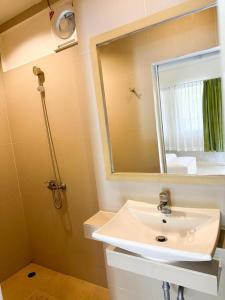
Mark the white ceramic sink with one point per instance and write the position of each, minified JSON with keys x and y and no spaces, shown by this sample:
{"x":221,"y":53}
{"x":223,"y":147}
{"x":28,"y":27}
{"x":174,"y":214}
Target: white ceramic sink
{"x":191,"y":233}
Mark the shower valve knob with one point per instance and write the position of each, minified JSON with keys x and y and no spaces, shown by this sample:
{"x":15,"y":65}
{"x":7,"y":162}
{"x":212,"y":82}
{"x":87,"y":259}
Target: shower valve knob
{"x":62,"y":186}
{"x":53,"y":185}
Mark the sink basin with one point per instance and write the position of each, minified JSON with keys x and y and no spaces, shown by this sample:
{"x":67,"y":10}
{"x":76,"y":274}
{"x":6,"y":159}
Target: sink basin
{"x":188,"y":234}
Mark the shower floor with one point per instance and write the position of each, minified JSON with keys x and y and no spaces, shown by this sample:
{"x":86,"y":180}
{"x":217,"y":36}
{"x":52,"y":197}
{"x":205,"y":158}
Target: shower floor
{"x":49,"y":285}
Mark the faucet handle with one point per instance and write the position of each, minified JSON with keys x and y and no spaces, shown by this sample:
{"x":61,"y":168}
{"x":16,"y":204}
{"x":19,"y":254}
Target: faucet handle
{"x":164,"y":196}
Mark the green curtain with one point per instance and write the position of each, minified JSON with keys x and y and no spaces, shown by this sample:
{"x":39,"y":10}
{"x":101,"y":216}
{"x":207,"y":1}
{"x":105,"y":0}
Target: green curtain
{"x":213,"y":116}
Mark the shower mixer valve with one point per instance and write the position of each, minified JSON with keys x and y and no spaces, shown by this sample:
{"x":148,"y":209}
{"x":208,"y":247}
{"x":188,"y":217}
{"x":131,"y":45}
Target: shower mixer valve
{"x":53,"y":185}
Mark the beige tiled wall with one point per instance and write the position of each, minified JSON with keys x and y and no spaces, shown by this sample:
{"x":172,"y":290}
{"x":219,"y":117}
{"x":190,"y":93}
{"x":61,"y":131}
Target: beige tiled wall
{"x":14,"y":252}
{"x":56,"y":236}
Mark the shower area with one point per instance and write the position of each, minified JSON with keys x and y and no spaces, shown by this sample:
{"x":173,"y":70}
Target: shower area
{"x":47,"y":177}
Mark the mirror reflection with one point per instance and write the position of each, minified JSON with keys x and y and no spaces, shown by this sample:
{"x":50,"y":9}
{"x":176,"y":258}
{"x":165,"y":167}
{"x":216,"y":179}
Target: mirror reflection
{"x":192,"y":114}
{"x":163,"y":99}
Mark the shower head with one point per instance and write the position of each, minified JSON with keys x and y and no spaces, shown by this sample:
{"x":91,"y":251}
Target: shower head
{"x":37,"y":71}
{"x":41,"y":75}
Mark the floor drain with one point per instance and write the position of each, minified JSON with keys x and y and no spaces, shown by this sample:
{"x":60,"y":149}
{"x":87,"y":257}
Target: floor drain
{"x":31,"y":274}
{"x":161,"y":238}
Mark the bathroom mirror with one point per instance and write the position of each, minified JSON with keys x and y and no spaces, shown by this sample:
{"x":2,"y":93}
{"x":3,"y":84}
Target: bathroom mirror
{"x":158,"y":84}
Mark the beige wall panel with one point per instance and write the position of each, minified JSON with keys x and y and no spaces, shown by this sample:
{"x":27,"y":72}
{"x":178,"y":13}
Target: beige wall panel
{"x":4,"y":128}
{"x":27,"y":41}
{"x":14,"y":251}
{"x":57,"y":238}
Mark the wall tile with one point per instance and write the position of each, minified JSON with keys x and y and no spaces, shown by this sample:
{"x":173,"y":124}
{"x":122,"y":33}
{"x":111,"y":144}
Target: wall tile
{"x":25,"y":112}
{"x":14,"y":252}
{"x":57,"y":239}
{"x":156,"y":6}
{"x":98,"y":16}
{"x":4,"y":126}
{"x":19,"y":45}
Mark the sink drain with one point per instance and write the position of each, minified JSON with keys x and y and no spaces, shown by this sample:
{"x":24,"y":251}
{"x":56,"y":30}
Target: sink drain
{"x":161,"y":238}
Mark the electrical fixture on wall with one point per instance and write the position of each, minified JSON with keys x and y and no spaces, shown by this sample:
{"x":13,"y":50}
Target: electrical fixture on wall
{"x":63,"y":23}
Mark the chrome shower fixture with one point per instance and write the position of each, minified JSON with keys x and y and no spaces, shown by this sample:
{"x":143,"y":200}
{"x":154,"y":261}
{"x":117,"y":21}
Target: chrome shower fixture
{"x":41,"y":75}
{"x":55,"y":185}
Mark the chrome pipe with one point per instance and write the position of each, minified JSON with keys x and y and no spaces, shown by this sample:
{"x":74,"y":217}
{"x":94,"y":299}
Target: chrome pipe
{"x":166,"y":290}
{"x":180,"y":294}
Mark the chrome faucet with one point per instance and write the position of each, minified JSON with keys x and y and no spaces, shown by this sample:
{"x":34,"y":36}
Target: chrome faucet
{"x":163,"y":206}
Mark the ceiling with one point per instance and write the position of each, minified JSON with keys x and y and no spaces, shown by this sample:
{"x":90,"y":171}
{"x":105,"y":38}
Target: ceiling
{"x":11,"y":8}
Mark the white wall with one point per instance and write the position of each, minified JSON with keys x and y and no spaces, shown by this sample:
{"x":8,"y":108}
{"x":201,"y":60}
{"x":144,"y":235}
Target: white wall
{"x":95,"y":17}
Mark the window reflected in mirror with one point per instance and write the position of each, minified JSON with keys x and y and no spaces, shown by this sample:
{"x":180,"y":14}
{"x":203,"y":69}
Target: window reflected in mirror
{"x":192,"y":114}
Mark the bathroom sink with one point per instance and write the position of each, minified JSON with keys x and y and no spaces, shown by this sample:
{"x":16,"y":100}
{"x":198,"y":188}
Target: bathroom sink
{"x":187,"y":234}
